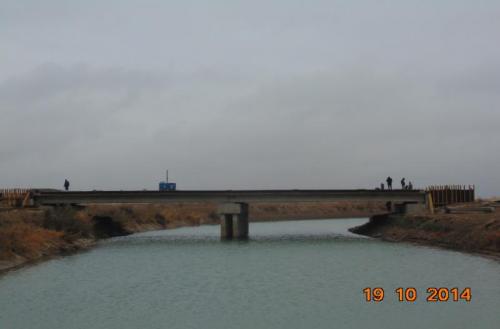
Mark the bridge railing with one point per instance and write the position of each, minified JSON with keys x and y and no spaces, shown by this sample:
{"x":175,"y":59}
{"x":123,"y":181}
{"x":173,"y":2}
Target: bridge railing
{"x":443,"y":195}
{"x":15,"y":197}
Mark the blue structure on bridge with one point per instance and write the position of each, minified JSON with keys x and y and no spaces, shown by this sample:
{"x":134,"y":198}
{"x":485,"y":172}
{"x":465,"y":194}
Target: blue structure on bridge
{"x":166,"y":186}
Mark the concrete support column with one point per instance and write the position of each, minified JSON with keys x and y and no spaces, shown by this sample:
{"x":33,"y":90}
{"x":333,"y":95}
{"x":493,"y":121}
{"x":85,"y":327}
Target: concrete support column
{"x":234,"y":220}
{"x":240,"y":223}
{"x":226,"y":226}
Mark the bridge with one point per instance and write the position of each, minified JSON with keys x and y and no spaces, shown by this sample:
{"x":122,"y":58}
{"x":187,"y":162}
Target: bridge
{"x":224,"y":196}
{"x":233,"y":204}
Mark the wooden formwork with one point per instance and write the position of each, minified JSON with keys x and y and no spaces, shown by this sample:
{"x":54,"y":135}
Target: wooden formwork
{"x":15,"y":197}
{"x":443,"y":195}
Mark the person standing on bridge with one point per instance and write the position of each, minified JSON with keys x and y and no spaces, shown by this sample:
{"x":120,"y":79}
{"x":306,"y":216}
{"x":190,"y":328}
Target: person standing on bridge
{"x":410,"y":186}
{"x":389,"y":183}
{"x":403,"y":183}
{"x":66,"y":184}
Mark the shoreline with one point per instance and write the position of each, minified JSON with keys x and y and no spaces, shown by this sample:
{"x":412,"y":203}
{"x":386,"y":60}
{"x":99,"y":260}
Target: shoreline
{"x":36,"y":235}
{"x":7,"y":267}
{"x":29,"y":236}
{"x":84,"y":245}
{"x":471,"y":234}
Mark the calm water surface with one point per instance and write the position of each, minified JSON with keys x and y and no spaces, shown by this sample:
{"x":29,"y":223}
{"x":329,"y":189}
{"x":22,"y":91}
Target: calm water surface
{"x":300,"y":274}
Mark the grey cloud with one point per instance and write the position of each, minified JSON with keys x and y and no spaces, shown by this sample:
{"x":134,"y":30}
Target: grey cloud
{"x":340,"y":129}
{"x":246,"y":95}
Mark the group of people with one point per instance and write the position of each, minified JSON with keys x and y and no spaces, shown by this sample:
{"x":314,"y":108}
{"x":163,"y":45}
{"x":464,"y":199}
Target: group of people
{"x":404,"y":186}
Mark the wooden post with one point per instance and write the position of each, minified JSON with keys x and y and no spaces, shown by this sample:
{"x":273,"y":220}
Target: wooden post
{"x":430,"y":204}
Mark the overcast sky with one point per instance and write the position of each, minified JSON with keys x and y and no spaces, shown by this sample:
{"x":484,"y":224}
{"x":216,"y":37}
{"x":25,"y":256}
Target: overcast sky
{"x":249,"y":94}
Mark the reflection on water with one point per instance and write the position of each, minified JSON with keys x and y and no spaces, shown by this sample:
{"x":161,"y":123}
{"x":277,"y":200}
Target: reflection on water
{"x":300,"y":274}
{"x":305,"y":230}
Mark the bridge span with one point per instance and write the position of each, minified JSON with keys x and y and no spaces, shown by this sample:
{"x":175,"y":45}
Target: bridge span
{"x":233,"y":204}
{"x":222,"y":196}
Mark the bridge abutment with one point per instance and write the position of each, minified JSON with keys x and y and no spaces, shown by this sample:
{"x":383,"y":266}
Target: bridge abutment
{"x":234,"y":221}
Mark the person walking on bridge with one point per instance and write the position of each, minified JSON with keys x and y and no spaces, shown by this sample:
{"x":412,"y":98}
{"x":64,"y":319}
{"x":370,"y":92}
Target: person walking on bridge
{"x":389,"y":183}
{"x":66,"y":184}
{"x":403,"y":183}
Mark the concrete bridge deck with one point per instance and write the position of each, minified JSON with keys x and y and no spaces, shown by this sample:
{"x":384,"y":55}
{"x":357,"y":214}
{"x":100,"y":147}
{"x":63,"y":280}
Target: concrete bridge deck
{"x":225,"y":196}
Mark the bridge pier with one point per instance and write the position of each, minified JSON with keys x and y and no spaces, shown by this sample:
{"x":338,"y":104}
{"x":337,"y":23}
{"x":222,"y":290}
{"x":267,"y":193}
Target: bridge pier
{"x":233,"y":220}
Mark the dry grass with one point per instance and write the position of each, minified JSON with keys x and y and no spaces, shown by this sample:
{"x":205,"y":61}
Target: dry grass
{"x":141,"y":217}
{"x":476,"y":232}
{"x":29,"y":241}
{"x":300,"y":210}
{"x":34,"y":233}
{"x":22,"y":233}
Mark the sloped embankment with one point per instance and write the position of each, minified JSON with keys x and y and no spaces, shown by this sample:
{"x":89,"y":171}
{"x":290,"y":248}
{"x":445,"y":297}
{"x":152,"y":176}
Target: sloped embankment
{"x":471,"y":232}
{"x":28,"y":235}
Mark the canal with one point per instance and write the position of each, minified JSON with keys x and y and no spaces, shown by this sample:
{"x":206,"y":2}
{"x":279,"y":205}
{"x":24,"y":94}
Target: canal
{"x":296,"y":274}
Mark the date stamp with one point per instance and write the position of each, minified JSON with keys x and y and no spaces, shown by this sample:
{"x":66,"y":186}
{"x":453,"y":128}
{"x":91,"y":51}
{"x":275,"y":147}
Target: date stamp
{"x":410,"y":294}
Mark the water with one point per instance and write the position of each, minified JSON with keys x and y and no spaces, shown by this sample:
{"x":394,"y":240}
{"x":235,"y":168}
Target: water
{"x":301,"y":274}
